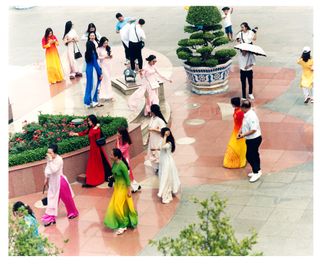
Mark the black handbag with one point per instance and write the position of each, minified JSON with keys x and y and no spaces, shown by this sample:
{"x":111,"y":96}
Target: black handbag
{"x":142,"y":44}
{"x":102,"y":140}
{"x":45,"y":199}
{"x":77,"y":54}
{"x":110,"y":182}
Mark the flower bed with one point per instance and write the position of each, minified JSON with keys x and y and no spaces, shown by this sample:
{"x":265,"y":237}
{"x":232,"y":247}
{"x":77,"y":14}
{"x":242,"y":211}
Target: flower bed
{"x":32,"y":144}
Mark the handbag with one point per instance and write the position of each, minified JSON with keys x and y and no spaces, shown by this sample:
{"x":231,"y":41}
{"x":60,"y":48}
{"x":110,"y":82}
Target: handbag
{"x":77,"y":54}
{"x":45,"y":199}
{"x":102,"y":140}
{"x":142,"y":44}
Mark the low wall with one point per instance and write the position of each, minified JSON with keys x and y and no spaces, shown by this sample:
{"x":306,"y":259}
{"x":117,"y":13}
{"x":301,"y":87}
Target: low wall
{"x":28,"y":178}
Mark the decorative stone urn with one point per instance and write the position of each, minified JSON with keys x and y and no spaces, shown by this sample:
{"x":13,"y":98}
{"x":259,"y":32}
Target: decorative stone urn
{"x":209,"y":80}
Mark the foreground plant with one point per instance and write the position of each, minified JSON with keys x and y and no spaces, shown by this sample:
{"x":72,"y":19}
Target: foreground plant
{"x":24,"y":241}
{"x":213,"y":236}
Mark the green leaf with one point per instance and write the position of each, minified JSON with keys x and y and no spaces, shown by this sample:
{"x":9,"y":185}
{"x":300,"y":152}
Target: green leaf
{"x":212,"y":236}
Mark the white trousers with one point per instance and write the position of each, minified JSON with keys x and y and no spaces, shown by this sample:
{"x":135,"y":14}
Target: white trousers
{"x":307,"y":92}
{"x":134,"y":185}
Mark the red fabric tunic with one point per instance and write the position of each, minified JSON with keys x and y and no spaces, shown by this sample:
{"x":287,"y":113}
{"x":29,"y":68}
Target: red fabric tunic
{"x":238,"y":116}
{"x":96,"y":170}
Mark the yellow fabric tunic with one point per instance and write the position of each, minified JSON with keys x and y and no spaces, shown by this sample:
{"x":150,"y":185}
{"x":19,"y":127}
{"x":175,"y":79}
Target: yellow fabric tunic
{"x":307,"y":73}
{"x":121,"y":212}
{"x":235,"y":156}
{"x":54,"y":69}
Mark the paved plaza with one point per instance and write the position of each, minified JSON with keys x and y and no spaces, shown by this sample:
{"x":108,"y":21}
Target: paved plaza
{"x":279,"y":206}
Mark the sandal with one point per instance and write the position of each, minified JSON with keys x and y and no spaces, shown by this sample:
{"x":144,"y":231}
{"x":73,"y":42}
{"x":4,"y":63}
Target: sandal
{"x":50,"y":223}
{"x":72,"y":217}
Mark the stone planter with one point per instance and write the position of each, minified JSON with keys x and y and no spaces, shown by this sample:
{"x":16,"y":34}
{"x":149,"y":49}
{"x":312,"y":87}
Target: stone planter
{"x":28,"y":178}
{"x":209,"y":80}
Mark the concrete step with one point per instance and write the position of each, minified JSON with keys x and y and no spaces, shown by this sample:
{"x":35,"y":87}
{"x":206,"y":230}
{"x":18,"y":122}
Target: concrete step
{"x":81,"y":178}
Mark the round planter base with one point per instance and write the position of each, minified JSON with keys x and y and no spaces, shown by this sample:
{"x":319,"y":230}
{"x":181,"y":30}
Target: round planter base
{"x":218,"y":89}
{"x":209,"y":80}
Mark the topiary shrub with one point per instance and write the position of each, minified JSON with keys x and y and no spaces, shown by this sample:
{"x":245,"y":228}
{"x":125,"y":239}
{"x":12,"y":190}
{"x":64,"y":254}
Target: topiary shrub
{"x":212,"y":236}
{"x":206,"y":35}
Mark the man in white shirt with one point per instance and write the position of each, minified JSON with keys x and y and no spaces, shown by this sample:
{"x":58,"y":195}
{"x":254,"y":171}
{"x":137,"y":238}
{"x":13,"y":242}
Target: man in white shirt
{"x":136,"y":38}
{"x":227,"y":11}
{"x":252,"y":132}
{"x":122,"y":27}
{"x":246,"y":61}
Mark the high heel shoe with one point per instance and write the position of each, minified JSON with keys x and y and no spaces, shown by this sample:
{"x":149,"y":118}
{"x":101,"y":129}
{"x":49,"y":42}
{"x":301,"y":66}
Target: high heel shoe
{"x":50,"y":223}
{"x":72,"y":217}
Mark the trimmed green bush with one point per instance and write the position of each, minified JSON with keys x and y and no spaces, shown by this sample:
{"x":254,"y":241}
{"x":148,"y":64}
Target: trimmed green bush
{"x":32,"y":144}
{"x":212,"y":62}
{"x":223,"y":55}
{"x":183,"y":55}
{"x":206,"y":35}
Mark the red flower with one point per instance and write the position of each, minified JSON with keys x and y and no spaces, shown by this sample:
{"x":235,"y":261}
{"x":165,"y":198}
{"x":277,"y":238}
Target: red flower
{"x":58,"y":139}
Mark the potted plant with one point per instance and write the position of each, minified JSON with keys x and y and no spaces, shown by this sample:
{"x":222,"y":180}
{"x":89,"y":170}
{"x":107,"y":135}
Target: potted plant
{"x":207,"y":68}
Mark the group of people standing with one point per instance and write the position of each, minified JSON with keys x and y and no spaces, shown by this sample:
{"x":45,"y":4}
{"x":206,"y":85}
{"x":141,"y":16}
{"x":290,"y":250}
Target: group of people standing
{"x":247,"y":59}
{"x":96,"y":58}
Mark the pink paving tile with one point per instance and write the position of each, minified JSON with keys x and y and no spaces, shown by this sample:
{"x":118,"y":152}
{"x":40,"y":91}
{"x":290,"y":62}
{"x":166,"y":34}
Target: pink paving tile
{"x":285,"y":73}
{"x":281,"y":82}
{"x":296,"y":156}
{"x":270,"y":116}
{"x":84,"y":201}
{"x":270,"y":155}
{"x":267,"y":69}
{"x":257,"y":75}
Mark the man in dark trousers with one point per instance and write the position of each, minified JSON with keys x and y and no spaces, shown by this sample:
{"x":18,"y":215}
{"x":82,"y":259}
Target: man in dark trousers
{"x":251,"y":131}
{"x":136,"y":38}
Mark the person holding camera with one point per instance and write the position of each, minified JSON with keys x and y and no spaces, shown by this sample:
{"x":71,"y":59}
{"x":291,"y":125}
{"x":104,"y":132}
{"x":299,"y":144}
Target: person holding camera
{"x":58,"y":188}
{"x":246,"y":34}
{"x":121,"y":213}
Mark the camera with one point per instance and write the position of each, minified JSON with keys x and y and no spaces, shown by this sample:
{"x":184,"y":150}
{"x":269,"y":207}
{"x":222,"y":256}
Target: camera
{"x":110,"y":182}
{"x":255,"y":29}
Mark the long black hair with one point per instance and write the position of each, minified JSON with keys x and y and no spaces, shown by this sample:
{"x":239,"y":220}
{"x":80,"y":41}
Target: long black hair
{"x":90,"y":49}
{"x":125,"y":137}
{"x":103,"y":40}
{"x":156,"y":110}
{"x":170,"y":138}
{"x":17,"y":205}
{"x":93,"y":119}
{"x":95,"y":36}
{"x":91,"y":25}
{"x":306,"y":56}
{"x":245,"y":24}
{"x":47,"y":32}
{"x":67,"y":28}
{"x":117,"y":153}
